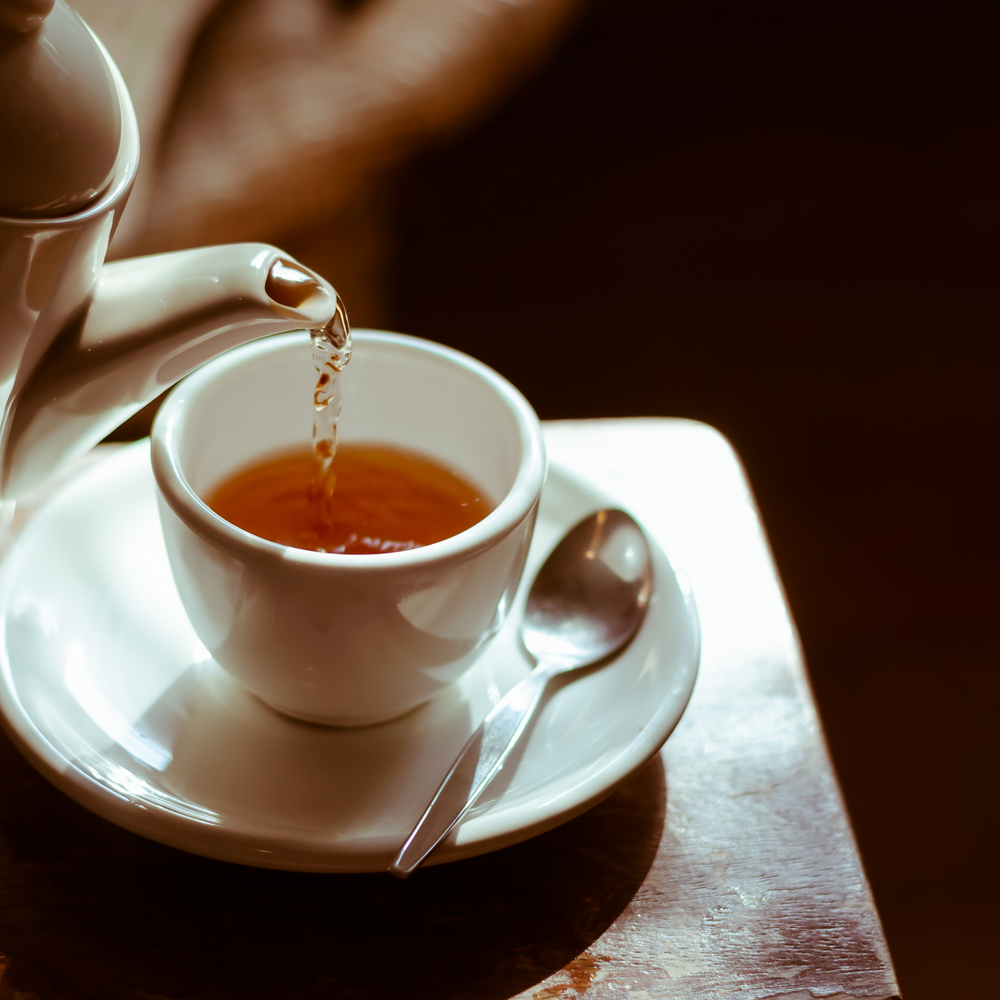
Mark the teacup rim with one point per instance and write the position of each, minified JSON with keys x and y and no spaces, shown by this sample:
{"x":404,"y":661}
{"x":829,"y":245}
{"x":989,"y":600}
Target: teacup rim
{"x":177,"y":491}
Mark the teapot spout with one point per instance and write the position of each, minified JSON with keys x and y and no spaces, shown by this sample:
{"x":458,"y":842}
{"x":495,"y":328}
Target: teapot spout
{"x":150,"y":321}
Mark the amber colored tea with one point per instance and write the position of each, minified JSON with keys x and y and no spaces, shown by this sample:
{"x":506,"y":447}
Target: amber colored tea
{"x":386,"y":500}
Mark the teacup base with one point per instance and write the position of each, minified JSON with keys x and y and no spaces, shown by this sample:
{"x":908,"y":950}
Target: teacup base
{"x":336,"y":722}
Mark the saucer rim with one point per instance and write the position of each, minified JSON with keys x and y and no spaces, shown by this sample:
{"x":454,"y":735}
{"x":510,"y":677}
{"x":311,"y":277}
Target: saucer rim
{"x":240,"y":845}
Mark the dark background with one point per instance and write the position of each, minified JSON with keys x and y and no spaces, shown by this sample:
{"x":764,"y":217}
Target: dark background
{"x":782,"y":219}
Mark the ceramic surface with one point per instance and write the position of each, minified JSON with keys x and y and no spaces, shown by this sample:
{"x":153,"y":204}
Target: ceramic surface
{"x":108,"y":691}
{"x":346,"y":639}
{"x":60,"y":116}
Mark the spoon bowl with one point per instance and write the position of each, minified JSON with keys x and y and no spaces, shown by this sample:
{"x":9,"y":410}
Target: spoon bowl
{"x":592,"y":592}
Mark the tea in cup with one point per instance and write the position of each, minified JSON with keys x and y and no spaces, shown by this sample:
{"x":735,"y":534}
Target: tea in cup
{"x":378,"y":625}
{"x":373,"y":499}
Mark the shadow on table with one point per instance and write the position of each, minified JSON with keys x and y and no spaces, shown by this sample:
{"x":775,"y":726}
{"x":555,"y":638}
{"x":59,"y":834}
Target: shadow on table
{"x":89,"y":910}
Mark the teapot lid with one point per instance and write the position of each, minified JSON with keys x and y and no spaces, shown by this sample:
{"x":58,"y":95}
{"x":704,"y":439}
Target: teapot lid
{"x":60,"y":119}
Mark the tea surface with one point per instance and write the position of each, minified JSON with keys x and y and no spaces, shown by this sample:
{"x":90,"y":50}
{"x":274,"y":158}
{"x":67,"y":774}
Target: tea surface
{"x":385,"y":500}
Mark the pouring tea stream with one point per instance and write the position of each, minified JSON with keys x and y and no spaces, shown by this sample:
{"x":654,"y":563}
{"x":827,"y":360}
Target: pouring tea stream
{"x":84,"y":344}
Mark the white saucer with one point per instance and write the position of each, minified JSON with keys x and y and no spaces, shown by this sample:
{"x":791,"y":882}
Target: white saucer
{"x":108,"y":692}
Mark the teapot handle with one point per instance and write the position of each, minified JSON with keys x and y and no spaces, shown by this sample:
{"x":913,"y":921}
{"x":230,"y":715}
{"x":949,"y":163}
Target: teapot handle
{"x":150,"y":321}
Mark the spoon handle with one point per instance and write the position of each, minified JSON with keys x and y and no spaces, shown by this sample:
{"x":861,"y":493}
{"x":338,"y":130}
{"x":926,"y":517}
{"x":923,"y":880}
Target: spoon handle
{"x":478,"y":763}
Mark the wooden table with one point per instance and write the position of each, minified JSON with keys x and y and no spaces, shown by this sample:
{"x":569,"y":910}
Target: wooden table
{"x":725,"y":869}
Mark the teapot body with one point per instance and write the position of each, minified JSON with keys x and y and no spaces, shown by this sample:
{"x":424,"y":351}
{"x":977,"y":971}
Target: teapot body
{"x":49,"y":266}
{"x":84,"y":344}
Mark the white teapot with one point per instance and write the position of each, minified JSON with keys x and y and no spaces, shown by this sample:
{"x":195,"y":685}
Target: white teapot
{"x":84,"y":344}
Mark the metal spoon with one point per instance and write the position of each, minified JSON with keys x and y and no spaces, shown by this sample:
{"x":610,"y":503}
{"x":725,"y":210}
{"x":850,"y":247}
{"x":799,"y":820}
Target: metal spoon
{"x":585,"y":604}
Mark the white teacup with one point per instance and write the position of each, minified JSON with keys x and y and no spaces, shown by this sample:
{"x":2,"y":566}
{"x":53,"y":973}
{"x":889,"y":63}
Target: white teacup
{"x":346,"y":639}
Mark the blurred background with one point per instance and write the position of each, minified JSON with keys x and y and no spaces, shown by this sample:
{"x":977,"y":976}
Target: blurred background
{"x":780,"y":218}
